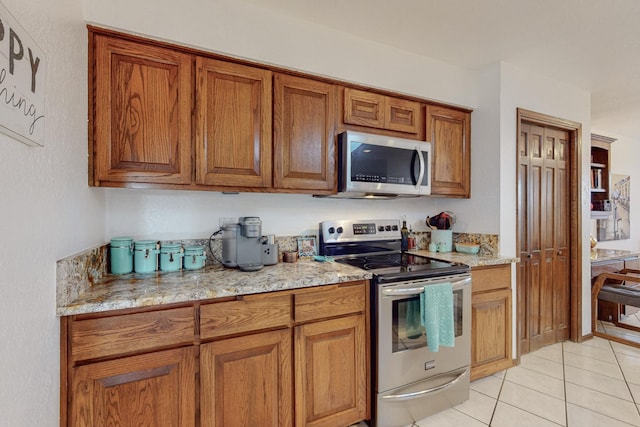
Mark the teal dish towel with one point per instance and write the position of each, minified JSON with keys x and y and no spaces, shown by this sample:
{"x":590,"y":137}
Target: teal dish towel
{"x":436,"y":315}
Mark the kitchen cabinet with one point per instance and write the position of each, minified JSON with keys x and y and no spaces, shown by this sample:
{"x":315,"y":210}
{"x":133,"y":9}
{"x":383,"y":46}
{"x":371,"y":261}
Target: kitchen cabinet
{"x":296,"y":357}
{"x":123,"y":371}
{"x":600,"y":176}
{"x":304,"y":123}
{"x":233,"y":125}
{"x":379,"y":111}
{"x":246,"y":381}
{"x":449,"y":131}
{"x":146,"y":390}
{"x":141,"y":128}
{"x":331,"y":357}
{"x":490,"y":320}
{"x":171,"y":117}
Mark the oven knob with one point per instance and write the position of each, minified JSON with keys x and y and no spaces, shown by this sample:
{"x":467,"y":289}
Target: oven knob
{"x":381,"y":228}
{"x":340,"y":230}
{"x":331,"y":230}
{"x":387,"y":227}
{"x":394,"y":227}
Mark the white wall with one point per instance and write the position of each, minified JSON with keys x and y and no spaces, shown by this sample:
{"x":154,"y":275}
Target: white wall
{"x":46,"y":212}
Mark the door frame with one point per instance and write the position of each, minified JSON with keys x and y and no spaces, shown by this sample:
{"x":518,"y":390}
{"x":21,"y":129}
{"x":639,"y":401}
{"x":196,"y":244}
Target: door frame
{"x":575,"y":217}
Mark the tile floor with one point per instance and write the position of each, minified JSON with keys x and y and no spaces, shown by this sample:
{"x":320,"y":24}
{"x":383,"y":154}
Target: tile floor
{"x":595,"y":383}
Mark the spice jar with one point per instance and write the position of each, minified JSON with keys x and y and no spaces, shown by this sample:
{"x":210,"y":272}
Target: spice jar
{"x":121,"y":251}
{"x":170,"y":257}
{"x":145,"y":256}
{"x":194,"y":257}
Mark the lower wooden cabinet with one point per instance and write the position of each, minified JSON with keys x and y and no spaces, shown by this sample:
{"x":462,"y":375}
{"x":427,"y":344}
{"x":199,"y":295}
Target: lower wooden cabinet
{"x":490,"y":320}
{"x":246,"y":381}
{"x":330,"y":372}
{"x":277,"y":359}
{"x":155,"y":389}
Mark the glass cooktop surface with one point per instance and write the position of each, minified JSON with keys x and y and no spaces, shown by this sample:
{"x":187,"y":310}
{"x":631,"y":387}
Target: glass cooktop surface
{"x":398,"y":263}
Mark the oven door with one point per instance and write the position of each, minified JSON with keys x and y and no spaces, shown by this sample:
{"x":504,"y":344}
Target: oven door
{"x":403,"y":354}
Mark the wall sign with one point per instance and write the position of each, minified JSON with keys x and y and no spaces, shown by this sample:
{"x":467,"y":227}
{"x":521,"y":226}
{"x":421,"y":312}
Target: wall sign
{"x":22,"y":78}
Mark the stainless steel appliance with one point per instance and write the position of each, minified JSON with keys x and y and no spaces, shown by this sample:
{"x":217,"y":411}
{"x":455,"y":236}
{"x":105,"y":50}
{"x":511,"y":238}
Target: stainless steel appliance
{"x":242,"y":244}
{"x":409,"y":382}
{"x":377,"y":166}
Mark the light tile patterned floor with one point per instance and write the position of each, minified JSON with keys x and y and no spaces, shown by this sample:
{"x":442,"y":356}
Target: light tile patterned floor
{"x":595,"y":383}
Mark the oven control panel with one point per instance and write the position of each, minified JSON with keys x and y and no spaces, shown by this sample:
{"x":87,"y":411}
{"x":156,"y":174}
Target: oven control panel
{"x":359,"y":230}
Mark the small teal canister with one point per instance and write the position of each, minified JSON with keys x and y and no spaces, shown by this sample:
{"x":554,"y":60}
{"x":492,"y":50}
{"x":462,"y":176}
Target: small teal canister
{"x":145,"y":256}
{"x":121,"y":251}
{"x":170,"y":257}
{"x":194,"y":257}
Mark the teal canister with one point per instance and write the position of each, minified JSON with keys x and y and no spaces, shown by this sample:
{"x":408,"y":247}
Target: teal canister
{"x":145,"y":256}
{"x":194,"y":257}
{"x":170,"y":257}
{"x":121,"y":251}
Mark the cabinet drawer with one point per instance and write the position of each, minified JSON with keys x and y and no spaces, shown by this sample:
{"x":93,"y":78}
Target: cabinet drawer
{"x":491,"y":278}
{"x":131,"y":333}
{"x":330,"y":301}
{"x":249,"y":314}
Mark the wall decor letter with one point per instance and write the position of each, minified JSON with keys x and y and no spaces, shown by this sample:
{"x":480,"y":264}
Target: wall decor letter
{"x":22,"y":83}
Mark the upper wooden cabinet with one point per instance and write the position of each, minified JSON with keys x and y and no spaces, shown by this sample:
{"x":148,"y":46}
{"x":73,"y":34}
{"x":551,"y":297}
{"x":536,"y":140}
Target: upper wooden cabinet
{"x":164,"y":116}
{"x":142,"y":105}
{"x":233,"y":124}
{"x":449,"y":131}
{"x":304,"y":122}
{"x":380,"y":111}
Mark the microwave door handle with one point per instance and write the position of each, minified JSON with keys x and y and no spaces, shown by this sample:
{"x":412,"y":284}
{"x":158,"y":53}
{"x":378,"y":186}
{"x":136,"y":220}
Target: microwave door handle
{"x":421,"y":174}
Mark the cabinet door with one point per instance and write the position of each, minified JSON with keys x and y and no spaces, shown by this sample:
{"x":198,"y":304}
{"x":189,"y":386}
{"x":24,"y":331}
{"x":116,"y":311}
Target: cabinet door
{"x":490,"y":332}
{"x":304,"y":128}
{"x":330,"y":372}
{"x":363,"y":108}
{"x":246,"y":381}
{"x":155,"y":389}
{"x":403,"y":115}
{"x":142,"y":113}
{"x":233,"y":124}
{"x":449,"y":132}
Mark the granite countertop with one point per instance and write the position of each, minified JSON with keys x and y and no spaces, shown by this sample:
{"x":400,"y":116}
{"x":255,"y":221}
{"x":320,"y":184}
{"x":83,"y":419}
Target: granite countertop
{"x":133,"y":290}
{"x":84,"y":287}
{"x":611,"y":254}
{"x":470,"y":260}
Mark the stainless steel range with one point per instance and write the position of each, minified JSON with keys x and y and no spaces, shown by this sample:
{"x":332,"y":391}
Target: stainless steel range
{"x":409,"y":381}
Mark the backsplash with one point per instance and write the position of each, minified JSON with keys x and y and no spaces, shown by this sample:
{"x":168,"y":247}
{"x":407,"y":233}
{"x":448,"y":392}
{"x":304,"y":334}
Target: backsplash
{"x":77,"y":273}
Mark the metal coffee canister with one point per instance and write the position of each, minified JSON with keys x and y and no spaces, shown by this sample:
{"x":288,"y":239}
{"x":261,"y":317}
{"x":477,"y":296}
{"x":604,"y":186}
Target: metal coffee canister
{"x":121,"y":251}
{"x":194,"y":257}
{"x":145,"y":256}
{"x":171,"y":257}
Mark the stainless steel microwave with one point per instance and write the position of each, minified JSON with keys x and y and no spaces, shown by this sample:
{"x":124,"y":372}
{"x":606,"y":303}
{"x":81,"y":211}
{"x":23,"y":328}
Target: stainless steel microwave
{"x":378,"y":166}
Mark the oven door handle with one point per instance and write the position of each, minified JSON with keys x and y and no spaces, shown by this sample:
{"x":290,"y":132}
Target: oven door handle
{"x":420,"y":393}
{"x":416,"y":290}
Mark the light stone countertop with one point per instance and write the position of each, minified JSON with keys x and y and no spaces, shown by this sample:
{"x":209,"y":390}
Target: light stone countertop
{"x":470,"y":260}
{"x":133,"y":290}
{"x":598,"y":255}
